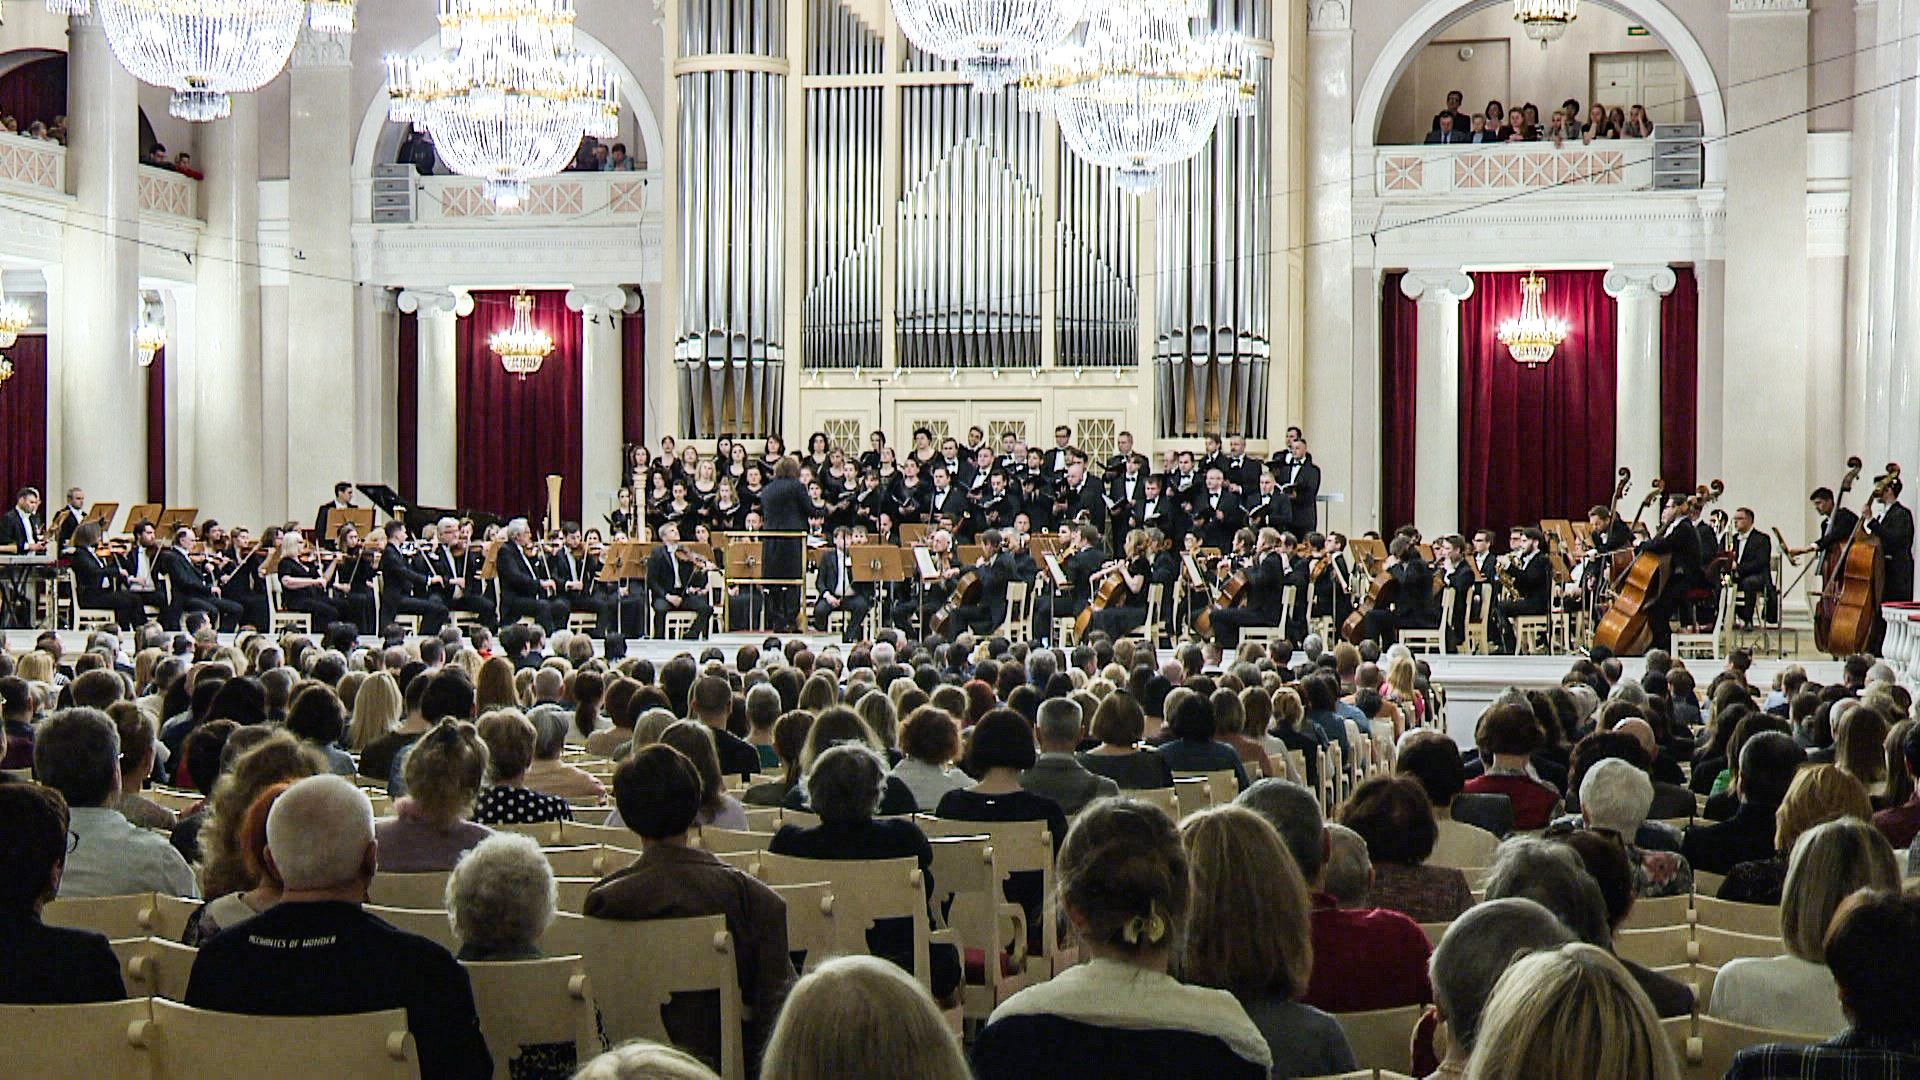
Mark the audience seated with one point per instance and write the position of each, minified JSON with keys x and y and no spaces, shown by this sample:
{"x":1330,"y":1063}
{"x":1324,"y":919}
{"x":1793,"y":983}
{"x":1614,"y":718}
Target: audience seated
{"x":930,"y":741}
{"x":1120,"y":724}
{"x":1057,"y":774}
{"x":1476,"y":950}
{"x":1432,"y":758}
{"x":1508,"y":735}
{"x":1124,"y":892}
{"x":1249,"y":931}
{"x":858,"y":1016}
{"x":659,"y":793}
{"x":77,"y":753}
{"x":1614,"y":797}
{"x":139,"y":745}
{"x":548,"y":774}
{"x":1818,"y":793}
{"x":317,"y":953}
{"x":789,"y":742}
{"x":1570,"y":1011}
{"x":501,"y":898}
{"x":262,"y":888}
{"x":643,"y":1059}
{"x":717,"y":808}
{"x":41,"y":964}
{"x":1767,"y":765}
{"x":830,"y":727}
{"x":1795,"y":992}
{"x":317,"y":718}
{"x":1363,"y":959}
{"x":1395,"y":817}
{"x":430,"y":827}
{"x":1556,"y":876}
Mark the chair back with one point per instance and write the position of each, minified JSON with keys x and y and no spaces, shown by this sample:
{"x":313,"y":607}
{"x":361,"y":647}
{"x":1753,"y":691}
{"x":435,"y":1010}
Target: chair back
{"x":1018,"y":847}
{"x":721,"y":841}
{"x":864,"y":892}
{"x":1714,"y":946}
{"x":1658,"y":911}
{"x":579,"y":832}
{"x":1222,"y":788}
{"x":155,"y":967}
{"x":545,"y":833}
{"x":1660,"y":947}
{"x":1706,"y":1045}
{"x":195,"y":1042}
{"x":581,"y":860}
{"x":1381,"y":1038}
{"x":573,"y":892}
{"x":422,"y":890}
{"x":430,"y":923}
{"x":526,"y":1004}
{"x":1163,"y":797}
{"x":810,"y":922}
{"x":48,"y":1040}
{"x":129,"y":916}
{"x":638,"y":966}
{"x":1760,"y":919}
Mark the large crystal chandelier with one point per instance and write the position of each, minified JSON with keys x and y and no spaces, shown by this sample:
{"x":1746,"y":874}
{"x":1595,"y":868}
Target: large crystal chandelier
{"x":522,"y":347}
{"x":207,"y":50}
{"x":989,"y":39}
{"x":1545,"y":20}
{"x":148,"y":340}
{"x":1139,"y":92}
{"x":14,"y":317}
{"x":1532,"y":337}
{"x":509,"y":99}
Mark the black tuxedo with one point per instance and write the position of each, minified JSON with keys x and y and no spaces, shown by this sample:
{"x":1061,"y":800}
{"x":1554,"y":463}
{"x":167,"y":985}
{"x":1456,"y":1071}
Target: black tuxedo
{"x":1161,"y":513}
{"x":1261,"y":602}
{"x":1269,"y":510}
{"x":1243,"y":471}
{"x":1086,"y":499}
{"x":102,"y":583}
{"x":17,"y":532}
{"x":1616,"y":536}
{"x":1459,"y":582}
{"x":189,"y":590}
{"x":403,"y":591}
{"x":786,"y":507}
{"x":952,"y":503}
{"x":1680,"y":541}
{"x":1127,"y":493}
{"x":1894,"y":527}
{"x":986,"y":616}
{"x":1304,"y":476}
{"x":521,"y":594}
{"x":1837,"y":528}
{"x":441,"y":562}
{"x":1413,"y":604}
{"x":667,"y":577}
{"x":1217,"y":518}
{"x":1534,"y":581}
{"x":998,"y":511}
{"x":1753,"y":569}
{"x":834,"y":579}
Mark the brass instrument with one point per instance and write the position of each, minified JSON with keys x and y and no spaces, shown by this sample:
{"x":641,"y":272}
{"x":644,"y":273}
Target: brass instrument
{"x":1509,"y":585}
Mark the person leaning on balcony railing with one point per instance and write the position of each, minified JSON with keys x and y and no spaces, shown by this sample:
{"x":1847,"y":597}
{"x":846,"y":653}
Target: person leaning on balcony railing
{"x":1443,"y":130}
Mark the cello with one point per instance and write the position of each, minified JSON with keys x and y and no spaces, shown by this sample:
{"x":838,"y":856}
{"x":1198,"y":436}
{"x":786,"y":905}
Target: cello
{"x":1843,"y":619}
{"x":1232,"y":594}
{"x":1384,"y":588}
{"x":1626,"y":628}
{"x":967,"y":589}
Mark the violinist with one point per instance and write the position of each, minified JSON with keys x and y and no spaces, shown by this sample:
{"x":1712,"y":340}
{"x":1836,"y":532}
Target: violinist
{"x":352,"y":583}
{"x":1332,"y":574}
{"x":575,"y":570}
{"x":303,"y":584}
{"x":403,"y":587}
{"x":1128,"y":611}
{"x":1681,"y":541}
{"x":241,"y":580}
{"x":676,"y":580}
{"x":1165,"y":569}
{"x":1753,"y":568}
{"x":1263,"y":598}
{"x":1081,"y":557}
{"x":139,"y":563}
{"x":996,"y":569}
{"x":928,"y":593}
{"x":839,"y":591}
{"x":101,"y":582}
{"x":189,"y":589}
{"x":1412,"y":606}
{"x":525,"y":588}
{"x":458,"y":587}
{"x":1451,"y":571}
{"x":1893,"y":524}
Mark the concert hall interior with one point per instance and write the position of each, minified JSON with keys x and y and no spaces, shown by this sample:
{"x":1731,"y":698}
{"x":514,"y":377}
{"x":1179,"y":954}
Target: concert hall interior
{"x":1396,"y":359}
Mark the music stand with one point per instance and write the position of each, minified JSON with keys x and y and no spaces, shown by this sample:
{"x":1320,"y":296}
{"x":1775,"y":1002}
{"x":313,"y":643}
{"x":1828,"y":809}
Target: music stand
{"x":102,"y":513}
{"x":743,"y":565}
{"x":147,"y":512}
{"x":914,"y":534}
{"x":878,"y":565}
{"x":489,"y":567}
{"x":177,"y":517}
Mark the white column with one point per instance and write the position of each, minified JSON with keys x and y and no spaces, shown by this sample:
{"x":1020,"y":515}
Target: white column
{"x":227,"y":472}
{"x":1343,"y":390}
{"x":181,"y":310}
{"x":1765,"y":435}
{"x":602,"y":396}
{"x":1436,"y":469}
{"x":437,"y":442}
{"x":1636,"y":424}
{"x":1888,"y":395}
{"x":326,"y":430}
{"x":103,"y":443}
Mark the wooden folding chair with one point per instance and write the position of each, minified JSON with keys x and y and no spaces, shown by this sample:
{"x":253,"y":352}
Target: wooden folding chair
{"x":195,"y":1042}
{"x":1662,"y":947}
{"x":580,"y":860}
{"x":155,"y":967}
{"x":864,"y":892}
{"x":544,"y":833}
{"x":1706,"y":1045}
{"x":573,"y":892}
{"x":422,"y":890}
{"x":1714,"y":946}
{"x":579,"y":832}
{"x":1659,"y":911}
{"x":637,"y":966}
{"x":430,"y":923}
{"x":969,"y":886}
{"x":130,"y":916}
{"x":111,"y":1038}
{"x":719,"y":840}
{"x":1222,"y":788}
{"x":1381,"y":1037}
{"x":534,"y":1003}
{"x":1164,"y":798}
{"x":810,"y":922}
{"x":1759,"y":919}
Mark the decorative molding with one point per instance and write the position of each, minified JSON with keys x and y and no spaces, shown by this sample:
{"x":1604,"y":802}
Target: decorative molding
{"x":1640,"y":281}
{"x":435,"y":302}
{"x":165,"y":192}
{"x":1329,"y":15}
{"x":314,"y":49}
{"x":33,"y":162}
{"x":600,"y":300}
{"x":1442,"y":285}
{"x":1766,"y":7}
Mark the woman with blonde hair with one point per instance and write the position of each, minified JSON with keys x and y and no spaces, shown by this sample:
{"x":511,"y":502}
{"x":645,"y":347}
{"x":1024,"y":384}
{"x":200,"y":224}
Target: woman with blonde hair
{"x":377,"y":710}
{"x":429,"y":828}
{"x":1818,"y":793}
{"x":493,"y":688}
{"x":819,"y":693}
{"x":1859,"y":747}
{"x":1796,"y":992}
{"x":1401,"y":692}
{"x":279,"y":758}
{"x":861,"y":1016}
{"x":1249,"y":932}
{"x":264,"y":892}
{"x":1571,"y":1011}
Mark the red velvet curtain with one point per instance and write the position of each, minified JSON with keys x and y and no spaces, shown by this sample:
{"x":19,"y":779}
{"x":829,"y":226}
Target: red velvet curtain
{"x":1399,"y":369}
{"x":23,"y":419}
{"x":633,"y":357}
{"x":513,"y":431}
{"x":157,"y":428}
{"x":36,"y":90}
{"x":1536,"y":442}
{"x":406,"y":401}
{"x":1679,"y":381}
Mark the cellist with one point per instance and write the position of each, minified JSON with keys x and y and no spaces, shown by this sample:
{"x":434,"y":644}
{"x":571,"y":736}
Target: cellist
{"x":1262,"y":599}
{"x":1413,"y":604}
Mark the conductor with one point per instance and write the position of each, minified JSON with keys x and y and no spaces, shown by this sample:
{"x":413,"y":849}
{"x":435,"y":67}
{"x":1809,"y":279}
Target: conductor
{"x":785,"y":507}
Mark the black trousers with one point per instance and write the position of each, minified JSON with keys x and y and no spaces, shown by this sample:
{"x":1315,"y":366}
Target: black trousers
{"x":854,"y":604}
{"x":432,"y":613}
{"x":550,"y":614}
{"x":225,"y":614}
{"x":1752,"y":588}
{"x":696,"y":603}
{"x":322,"y":611}
{"x":1228,"y":622}
{"x":1117,"y":622}
{"x":128,"y":610}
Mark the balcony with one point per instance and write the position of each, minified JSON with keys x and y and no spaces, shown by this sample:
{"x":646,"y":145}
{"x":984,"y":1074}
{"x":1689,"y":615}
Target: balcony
{"x":1471,"y":171}
{"x":589,"y":198}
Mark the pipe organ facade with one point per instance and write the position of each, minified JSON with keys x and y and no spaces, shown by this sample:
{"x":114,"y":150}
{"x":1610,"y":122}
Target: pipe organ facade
{"x":866,"y":242}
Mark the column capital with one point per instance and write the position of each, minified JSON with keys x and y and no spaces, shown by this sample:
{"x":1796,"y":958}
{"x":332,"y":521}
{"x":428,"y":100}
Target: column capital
{"x":1436,"y":285}
{"x":602,"y":299}
{"x":1330,"y":15}
{"x":435,"y":302}
{"x":318,"y":49}
{"x":1638,"y":281}
{"x":1767,"y":7}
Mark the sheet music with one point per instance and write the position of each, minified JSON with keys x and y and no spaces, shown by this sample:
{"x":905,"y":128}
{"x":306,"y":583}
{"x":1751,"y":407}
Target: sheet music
{"x":923,"y":560}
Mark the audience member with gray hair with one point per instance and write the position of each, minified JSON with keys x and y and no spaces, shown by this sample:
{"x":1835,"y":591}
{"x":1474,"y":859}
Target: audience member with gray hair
{"x":318,"y":953}
{"x":501,"y":897}
{"x":1614,"y":798}
{"x":77,"y":753}
{"x":1364,"y":958}
{"x":1056,"y":773}
{"x":548,"y":774}
{"x":1476,"y":950}
{"x":1349,"y":871}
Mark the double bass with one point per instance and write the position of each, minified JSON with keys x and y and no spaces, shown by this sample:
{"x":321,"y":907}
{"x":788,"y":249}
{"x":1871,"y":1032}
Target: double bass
{"x":1843,"y":619}
{"x":1626,"y":628}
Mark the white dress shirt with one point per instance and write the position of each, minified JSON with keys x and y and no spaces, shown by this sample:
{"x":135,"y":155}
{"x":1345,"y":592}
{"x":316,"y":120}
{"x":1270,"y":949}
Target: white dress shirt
{"x":111,"y":856}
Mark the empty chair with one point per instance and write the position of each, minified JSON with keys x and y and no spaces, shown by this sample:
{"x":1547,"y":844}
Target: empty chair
{"x":535,"y":1014}
{"x":189,"y":1042}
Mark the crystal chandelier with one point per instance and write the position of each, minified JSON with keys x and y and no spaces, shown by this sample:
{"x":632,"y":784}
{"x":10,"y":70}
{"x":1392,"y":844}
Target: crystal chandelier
{"x":522,"y":346}
{"x":6,"y":369}
{"x":989,"y":40}
{"x":508,"y":99}
{"x":1545,"y":20}
{"x":1532,"y":337}
{"x":206,"y":51}
{"x":14,"y":317}
{"x":149,"y":340}
{"x":1139,"y":93}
